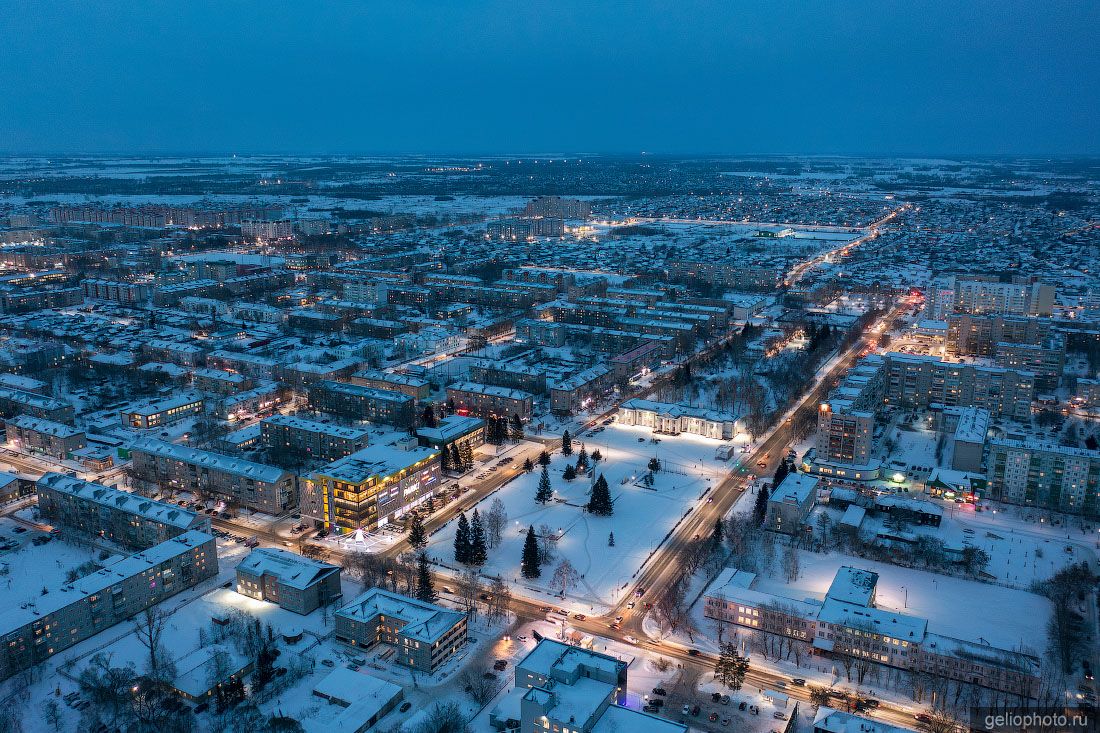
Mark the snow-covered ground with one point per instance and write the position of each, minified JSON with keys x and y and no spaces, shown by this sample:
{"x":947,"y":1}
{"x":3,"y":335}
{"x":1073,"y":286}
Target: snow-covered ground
{"x":642,"y":518}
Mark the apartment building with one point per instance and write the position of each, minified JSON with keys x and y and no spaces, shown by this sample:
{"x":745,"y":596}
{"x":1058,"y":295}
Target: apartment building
{"x":363,"y":403}
{"x":581,"y":390}
{"x":423,"y":634}
{"x":408,"y":384}
{"x":372,"y":487}
{"x":845,"y":436}
{"x":256,"y":401}
{"x":77,"y":611}
{"x":499,"y":373}
{"x":172,"y":467}
{"x":922,"y":381}
{"x":121,"y":292}
{"x":316,"y":438}
{"x":486,"y":400}
{"x":673,"y":419}
{"x":1088,"y":392}
{"x":291,"y":581}
{"x":95,"y":510}
{"x":978,"y":335}
{"x":160,"y":412}
{"x":220,"y":381}
{"x":37,"y":435}
{"x":17,"y":402}
{"x":556,"y":206}
{"x":1044,"y":475}
{"x":1045,"y":360}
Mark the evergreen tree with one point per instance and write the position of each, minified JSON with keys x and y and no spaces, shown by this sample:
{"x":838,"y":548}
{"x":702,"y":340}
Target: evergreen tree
{"x":467,"y":455}
{"x":517,"y":427}
{"x":478,"y":552}
{"x":654,"y":464}
{"x":529,"y":564}
{"x":597,"y":456}
{"x":462,"y":540}
{"x":611,"y":539}
{"x":599,"y":503}
{"x":457,"y":463}
{"x":569,"y":473}
{"x":544,"y":459}
{"x":760,"y":508}
{"x":566,"y":444}
{"x":781,"y":472}
{"x":445,"y":461}
{"x":717,"y":535}
{"x":418,"y":538}
{"x":528,"y":466}
{"x":429,"y":505}
{"x":582,"y":460}
{"x":425,"y":591}
{"x":545,"y":491}
{"x":427,"y":419}
{"x":731,"y":667}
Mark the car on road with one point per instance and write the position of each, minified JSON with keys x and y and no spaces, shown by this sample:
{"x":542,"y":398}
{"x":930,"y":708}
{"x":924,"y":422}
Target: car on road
{"x":579,"y":616}
{"x":615,"y":625}
{"x":923,"y":718}
{"x":631,"y":604}
{"x":779,"y":715}
{"x":630,"y":639}
{"x":693,"y":652}
{"x":328,"y":663}
{"x":19,"y":530}
{"x":546,"y":609}
{"x":798,"y":681}
{"x":618,"y":619}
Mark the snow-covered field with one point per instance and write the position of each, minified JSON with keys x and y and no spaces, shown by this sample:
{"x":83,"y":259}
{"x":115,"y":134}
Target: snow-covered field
{"x":642,"y":517}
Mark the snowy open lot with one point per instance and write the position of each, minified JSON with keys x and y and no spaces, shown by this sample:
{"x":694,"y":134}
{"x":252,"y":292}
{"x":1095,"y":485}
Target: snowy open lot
{"x":642,"y":517}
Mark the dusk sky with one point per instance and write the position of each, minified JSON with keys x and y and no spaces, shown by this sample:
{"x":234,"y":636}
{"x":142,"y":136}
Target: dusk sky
{"x":527,"y":77}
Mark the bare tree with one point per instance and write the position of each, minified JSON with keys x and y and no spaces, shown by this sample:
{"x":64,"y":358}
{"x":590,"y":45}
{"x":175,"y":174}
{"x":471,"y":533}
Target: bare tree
{"x":500,"y":599}
{"x":670,"y":607}
{"x":565,"y":576}
{"x":480,"y":688}
{"x":496,"y":520}
{"x":148,"y":628}
{"x":469,"y":586}
{"x":791,"y":569}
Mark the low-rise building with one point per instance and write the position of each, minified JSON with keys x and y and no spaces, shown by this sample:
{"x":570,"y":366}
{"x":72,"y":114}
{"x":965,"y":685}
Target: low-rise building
{"x":452,"y":430}
{"x":95,"y":510}
{"x":564,"y":687}
{"x":673,"y":419}
{"x":37,"y":435}
{"x":790,"y":503}
{"x":423,"y":634}
{"x":220,"y":381}
{"x":57,"y":621}
{"x":294,"y":582}
{"x":356,"y":702}
{"x":160,"y":412}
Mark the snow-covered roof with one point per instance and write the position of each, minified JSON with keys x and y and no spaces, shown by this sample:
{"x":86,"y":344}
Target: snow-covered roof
{"x":119,"y":500}
{"x":218,"y":461}
{"x":671,"y":409}
{"x":853,"y":585}
{"x":292,"y":569}
{"x":41,"y":425}
{"x":837,"y":721}
{"x":424,"y":622}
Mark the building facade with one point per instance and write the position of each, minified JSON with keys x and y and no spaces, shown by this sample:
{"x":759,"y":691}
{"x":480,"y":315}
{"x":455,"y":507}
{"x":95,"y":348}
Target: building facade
{"x":288,"y":579}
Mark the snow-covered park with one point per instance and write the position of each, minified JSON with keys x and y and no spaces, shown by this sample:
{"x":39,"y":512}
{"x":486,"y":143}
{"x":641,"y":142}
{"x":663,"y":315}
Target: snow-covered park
{"x":642,"y":517}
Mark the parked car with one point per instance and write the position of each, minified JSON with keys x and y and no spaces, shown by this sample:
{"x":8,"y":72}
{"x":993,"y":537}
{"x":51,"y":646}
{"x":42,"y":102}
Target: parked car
{"x":404,"y":707}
